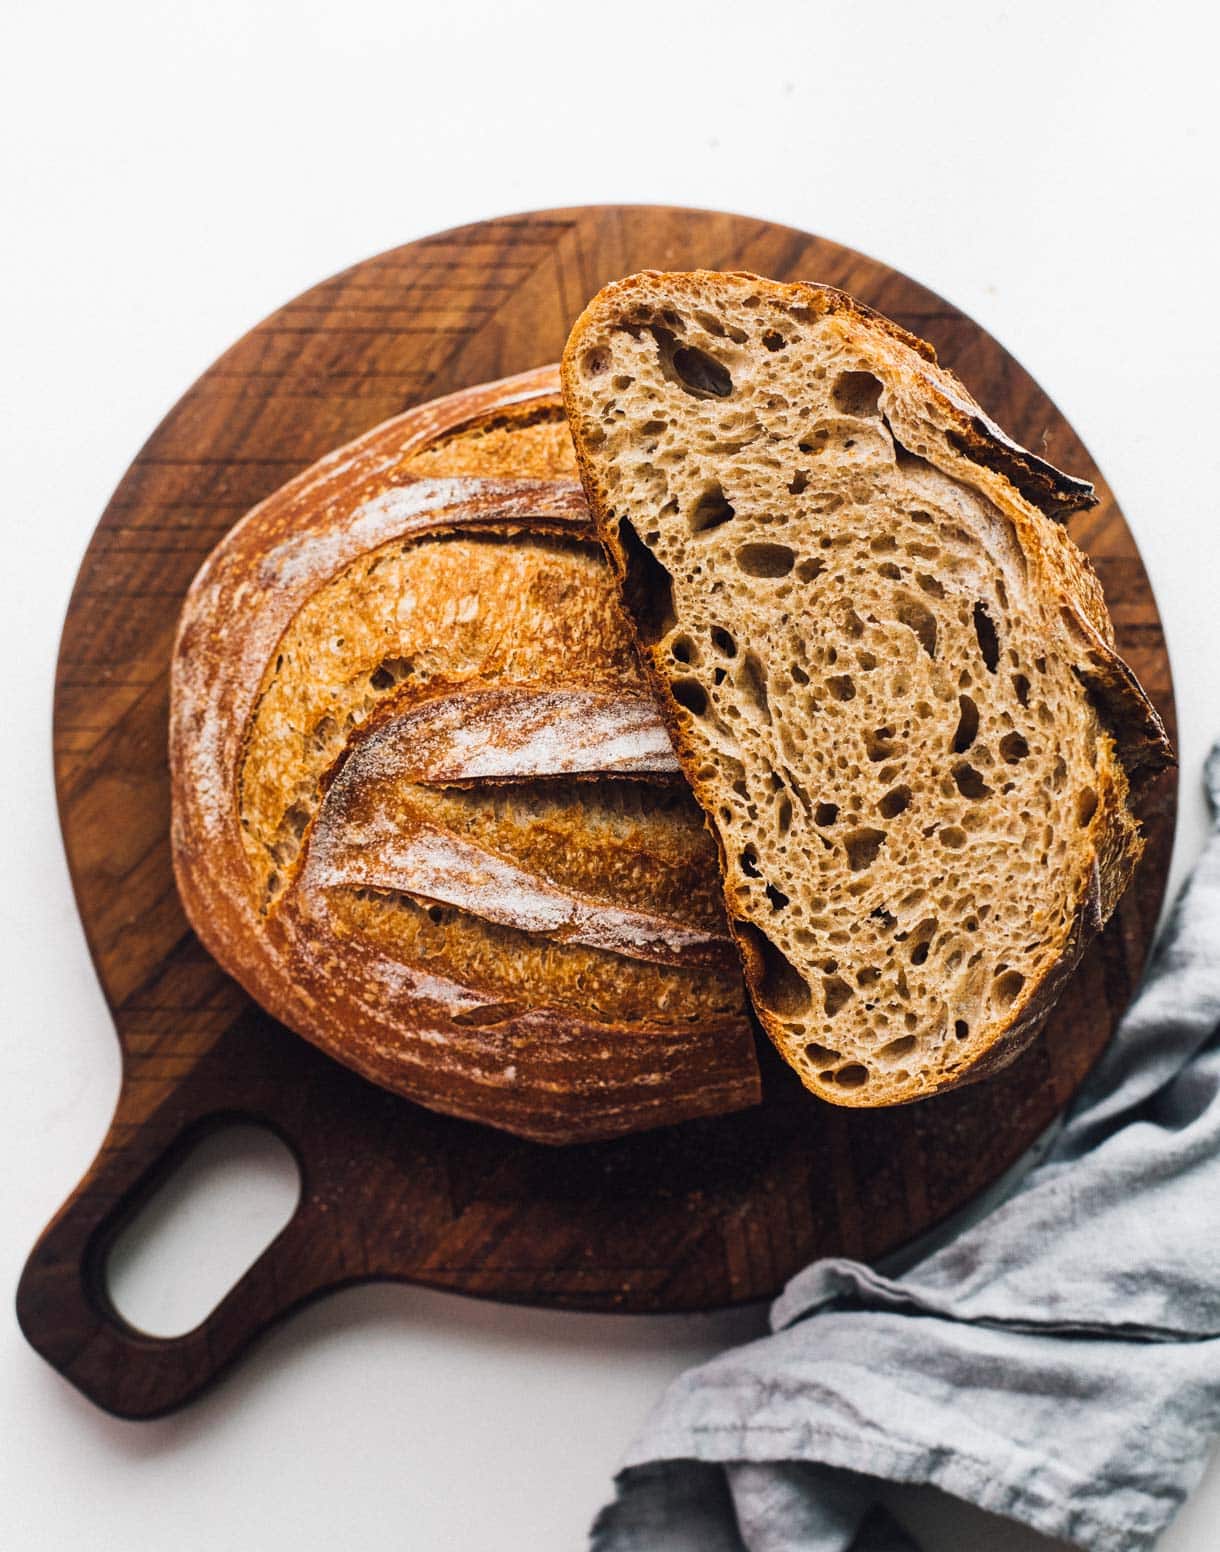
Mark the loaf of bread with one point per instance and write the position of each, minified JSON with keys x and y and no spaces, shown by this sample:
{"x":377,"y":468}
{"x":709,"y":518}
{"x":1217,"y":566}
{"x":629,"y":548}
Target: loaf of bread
{"x":889,"y":674}
{"x":424,"y":809}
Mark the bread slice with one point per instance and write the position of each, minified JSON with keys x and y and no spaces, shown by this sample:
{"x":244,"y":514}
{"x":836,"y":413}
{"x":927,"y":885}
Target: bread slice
{"x":424,"y":808}
{"x":889,"y":674}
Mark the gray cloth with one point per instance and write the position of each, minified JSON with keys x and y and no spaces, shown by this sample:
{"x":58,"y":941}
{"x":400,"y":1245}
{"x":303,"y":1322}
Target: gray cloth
{"x":1057,"y":1362}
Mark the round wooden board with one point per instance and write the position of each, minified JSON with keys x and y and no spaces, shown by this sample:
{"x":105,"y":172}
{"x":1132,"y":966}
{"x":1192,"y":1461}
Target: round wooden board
{"x":692,"y":1217}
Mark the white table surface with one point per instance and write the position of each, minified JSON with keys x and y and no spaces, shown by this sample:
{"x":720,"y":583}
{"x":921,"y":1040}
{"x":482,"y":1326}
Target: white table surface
{"x":174,"y":172}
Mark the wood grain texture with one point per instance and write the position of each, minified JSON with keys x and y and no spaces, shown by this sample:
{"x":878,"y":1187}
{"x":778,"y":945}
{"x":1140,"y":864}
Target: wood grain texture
{"x":705,"y":1214}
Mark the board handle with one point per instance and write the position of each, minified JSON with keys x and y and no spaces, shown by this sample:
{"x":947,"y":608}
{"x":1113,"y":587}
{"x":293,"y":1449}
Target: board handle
{"x":64,"y":1307}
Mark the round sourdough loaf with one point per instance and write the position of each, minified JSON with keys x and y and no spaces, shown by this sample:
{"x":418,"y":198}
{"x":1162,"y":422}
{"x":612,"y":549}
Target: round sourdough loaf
{"x":423,"y":808}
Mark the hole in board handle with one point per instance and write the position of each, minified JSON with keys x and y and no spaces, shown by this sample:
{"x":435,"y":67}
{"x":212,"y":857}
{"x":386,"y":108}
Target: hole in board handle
{"x":227,"y":1197}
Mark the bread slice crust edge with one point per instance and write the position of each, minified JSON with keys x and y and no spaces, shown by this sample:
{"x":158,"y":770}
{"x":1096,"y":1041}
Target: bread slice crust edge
{"x":1038,"y":498}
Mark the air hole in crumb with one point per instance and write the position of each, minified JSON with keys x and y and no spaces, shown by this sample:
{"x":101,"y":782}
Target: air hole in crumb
{"x":1007,"y":986}
{"x":324,"y":731}
{"x":930,"y":585}
{"x":1013,"y":748}
{"x":825,"y":813}
{"x":969,"y":782}
{"x":921,"y":940}
{"x":1086,"y":806}
{"x":862,"y":846}
{"x":822,"y":1055}
{"x":691,"y":694}
{"x":810,"y":570}
{"x":894,"y":802}
{"x":1021,"y":685}
{"x":889,"y":570}
{"x":879,"y":743}
{"x":712,"y":510}
{"x":749,"y":861}
{"x":836,"y":994}
{"x":708,"y":322}
{"x":723,"y":642}
{"x":919,"y":618}
{"x":988,"y":639}
{"x":853,"y":1076}
{"x":389,"y":672}
{"x":684,"y":649}
{"x":856,"y":393}
{"x":765,"y":560}
{"x":777,"y":897}
{"x":842,"y":687}
{"x":752,"y":682}
{"x":595,"y":362}
{"x":648,"y":587}
{"x":783,"y":814}
{"x":800,"y":482}
{"x":295,"y":819}
{"x":780,"y":989}
{"x":701,"y":374}
{"x":773,"y":340}
{"x":967,"y":724}
{"x":895,"y":1050}
{"x":953,"y":837}
{"x":960,"y":1029}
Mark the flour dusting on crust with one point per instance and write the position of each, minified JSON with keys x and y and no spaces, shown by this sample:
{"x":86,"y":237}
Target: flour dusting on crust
{"x":429,"y":863}
{"x":518,"y":732}
{"x":609,"y":1002}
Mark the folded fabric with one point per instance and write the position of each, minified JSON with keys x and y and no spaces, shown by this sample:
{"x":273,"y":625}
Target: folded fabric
{"x":1057,"y":1362}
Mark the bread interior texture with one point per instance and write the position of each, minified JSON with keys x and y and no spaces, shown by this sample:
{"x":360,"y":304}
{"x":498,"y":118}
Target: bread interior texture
{"x":870,"y":677}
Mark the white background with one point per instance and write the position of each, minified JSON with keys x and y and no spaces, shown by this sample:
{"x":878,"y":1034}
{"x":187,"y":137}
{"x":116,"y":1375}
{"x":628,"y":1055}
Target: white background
{"x":173,"y":172}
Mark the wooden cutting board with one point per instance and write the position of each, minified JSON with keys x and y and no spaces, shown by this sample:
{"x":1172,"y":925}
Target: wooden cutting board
{"x":689,"y":1218}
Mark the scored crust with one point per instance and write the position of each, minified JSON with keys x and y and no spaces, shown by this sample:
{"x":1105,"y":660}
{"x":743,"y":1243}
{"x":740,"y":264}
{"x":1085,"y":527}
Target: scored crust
{"x":423,"y":807}
{"x":888,"y":672}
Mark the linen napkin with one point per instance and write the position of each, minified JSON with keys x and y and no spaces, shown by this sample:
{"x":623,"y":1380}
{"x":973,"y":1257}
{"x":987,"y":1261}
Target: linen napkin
{"x":1057,"y":1362}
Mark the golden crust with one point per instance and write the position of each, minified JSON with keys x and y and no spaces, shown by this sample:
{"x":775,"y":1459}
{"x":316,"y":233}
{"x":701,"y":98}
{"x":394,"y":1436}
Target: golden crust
{"x":376,"y":977}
